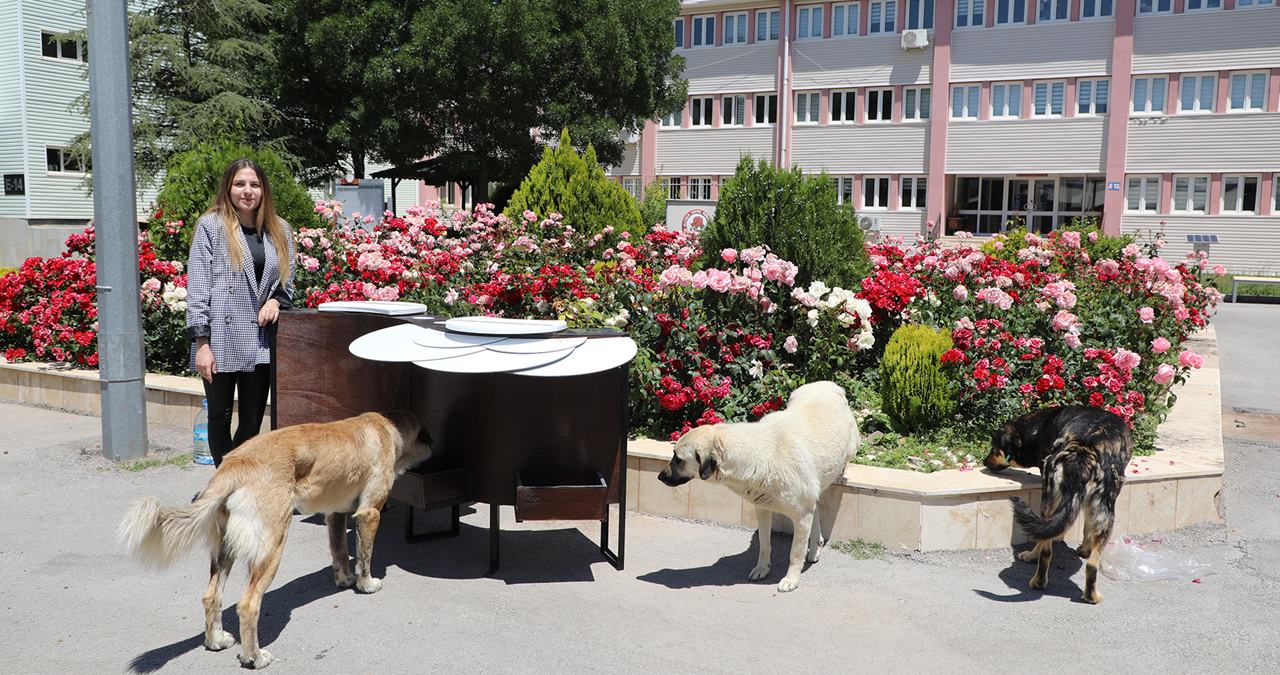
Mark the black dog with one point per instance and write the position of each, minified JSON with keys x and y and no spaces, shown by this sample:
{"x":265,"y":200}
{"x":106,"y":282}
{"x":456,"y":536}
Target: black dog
{"x":1082,"y":453}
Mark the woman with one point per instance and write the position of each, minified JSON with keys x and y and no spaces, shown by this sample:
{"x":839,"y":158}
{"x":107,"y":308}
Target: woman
{"x":239,"y":276}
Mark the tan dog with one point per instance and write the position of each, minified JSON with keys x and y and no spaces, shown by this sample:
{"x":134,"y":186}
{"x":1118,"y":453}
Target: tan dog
{"x":780,"y":464}
{"x":334,"y":468}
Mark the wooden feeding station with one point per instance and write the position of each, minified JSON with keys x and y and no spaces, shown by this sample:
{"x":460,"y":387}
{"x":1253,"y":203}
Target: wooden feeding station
{"x":520,"y":413}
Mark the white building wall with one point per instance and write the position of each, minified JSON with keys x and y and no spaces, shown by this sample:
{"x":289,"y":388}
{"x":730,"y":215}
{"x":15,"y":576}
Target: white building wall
{"x":1234,"y":40}
{"x":10,"y":107}
{"x":868,"y":60}
{"x":630,"y":163}
{"x":684,"y":152}
{"x":1076,"y":48}
{"x":1205,"y":143}
{"x":861,"y":148}
{"x":1068,"y":145}
{"x":738,"y":68}
{"x":1248,"y":244}
{"x":905,"y":224}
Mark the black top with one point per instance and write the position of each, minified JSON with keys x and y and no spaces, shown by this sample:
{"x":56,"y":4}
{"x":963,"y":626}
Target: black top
{"x":255,"y":249}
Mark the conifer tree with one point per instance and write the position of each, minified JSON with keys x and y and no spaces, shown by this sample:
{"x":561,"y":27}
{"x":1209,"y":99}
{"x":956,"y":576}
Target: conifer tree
{"x":576,"y":187}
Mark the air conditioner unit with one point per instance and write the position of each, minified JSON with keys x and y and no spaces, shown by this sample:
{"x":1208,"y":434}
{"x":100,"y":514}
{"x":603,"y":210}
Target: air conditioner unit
{"x":869,"y":223}
{"x":915,"y":38}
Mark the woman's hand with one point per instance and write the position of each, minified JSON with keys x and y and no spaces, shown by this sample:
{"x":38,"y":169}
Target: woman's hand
{"x":204,"y":360}
{"x":269,"y":312}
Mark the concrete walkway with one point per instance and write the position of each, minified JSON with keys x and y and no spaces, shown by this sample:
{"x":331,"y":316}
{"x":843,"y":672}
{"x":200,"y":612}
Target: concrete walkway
{"x":73,"y":603}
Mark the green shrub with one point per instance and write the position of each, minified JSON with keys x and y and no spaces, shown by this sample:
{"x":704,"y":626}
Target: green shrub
{"x":913,"y":387}
{"x":574,"y":185}
{"x":191,"y":183}
{"x":7,"y":270}
{"x":653,"y":208}
{"x":796,"y":215}
{"x":1105,"y":246}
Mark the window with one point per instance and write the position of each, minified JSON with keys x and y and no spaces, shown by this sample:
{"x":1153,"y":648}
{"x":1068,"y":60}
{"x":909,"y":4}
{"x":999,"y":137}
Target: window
{"x":60,"y":160}
{"x":672,"y":120}
{"x":986,"y":204}
{"x":672,"y":186}
{"x":843,"y":106}
{"x":809,"y":22}
{"x":1049,"y":99}
{"x":1006,"y":100}
{"x":733,"y":111}
{"x":766,"y":109}
{"x":879,"y":105}
{"x":735,"y":28}
{"x":1092,"y":97}
{"x":1155,"y":6}
{"x":964,"y":101}
{"x":919,"y":14}
{"x":1011,"y":12}
{"x":700,"y":111}
{"x":913,"y":192}
{"x":633,"y":186}
{"x":1275,"y":194}
{"x":1203,"y":5}
{"x":1196,"y":93}
{"x":1148,"y":94}
{"x":1239,"y":194}
{"x":1248,"y":91}
{"x":882,"y":14}
{"x":1253,"y":3}
{"x":1190,"y":194}
{"x":807,"y":106}
{"x":875,"y":192}
{"x":915,"y":103}
{"x":844,"y":190}
{"x":699,"y":188}
{"x":1053,"y":10}
{"x":969,"y":13}
{"x":766,"y":25}
{"x":1143,"y":194}
{"x":678,"y":24}
{"x":59,"y":47}
{"x":844,"y":19}
{"x":704,"y":31}
{"x":1092,"y":9}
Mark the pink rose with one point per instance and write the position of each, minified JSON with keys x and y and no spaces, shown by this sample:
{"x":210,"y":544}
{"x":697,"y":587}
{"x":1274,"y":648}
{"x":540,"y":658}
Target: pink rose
{"x":729,"y":255}
{"x":1093,"y":236}
{"x":1063,"y":320}
{"x":1160,"y":345}
{"x":1190,"y":359}
{"x":1072,"y":340}
{"x":1164,"y":374}
{"x":1146,"y":314}
{"x":152,"y":284}
{"x":1182,"y":313}
{"x":960,"y":293}
{"x":1127,"y":359}
{"x":790,"y":344}
{"x":1219,"y":269}
{"x":719,"y":280}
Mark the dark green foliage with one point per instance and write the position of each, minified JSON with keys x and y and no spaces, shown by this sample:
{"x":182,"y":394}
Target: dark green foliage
{"x":913,"y":387}
{"x":653,"y":208}
{"x":191,"y":183}
{"x":575,"y":186}
{"x":796,"y":216}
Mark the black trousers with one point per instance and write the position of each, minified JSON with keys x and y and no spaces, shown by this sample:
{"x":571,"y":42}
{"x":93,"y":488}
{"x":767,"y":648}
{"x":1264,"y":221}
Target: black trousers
{"x":254,"y":385}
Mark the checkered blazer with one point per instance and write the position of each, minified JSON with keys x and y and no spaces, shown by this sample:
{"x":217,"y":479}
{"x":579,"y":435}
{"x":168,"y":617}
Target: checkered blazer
{"x":223,"y":303}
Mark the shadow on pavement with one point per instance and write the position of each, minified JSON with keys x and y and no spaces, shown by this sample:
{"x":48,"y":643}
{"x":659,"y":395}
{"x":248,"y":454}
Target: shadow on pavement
{"x":1016,"y":576}
{"x":277,"y":607}
{"x":730,"y":570}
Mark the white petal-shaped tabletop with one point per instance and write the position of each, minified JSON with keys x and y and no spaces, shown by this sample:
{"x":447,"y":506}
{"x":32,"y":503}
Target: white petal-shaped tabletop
{"x":395,"y":344}
{"x":536,"y":345}
{"x":488,"y":361}
{"x":592,"y":357}
{"x":439,"y":339}
{"x":496,"y":325}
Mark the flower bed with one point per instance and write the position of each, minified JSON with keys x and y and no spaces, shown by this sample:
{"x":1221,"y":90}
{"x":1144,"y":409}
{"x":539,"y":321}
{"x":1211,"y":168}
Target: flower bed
{"x":1070,"y":318}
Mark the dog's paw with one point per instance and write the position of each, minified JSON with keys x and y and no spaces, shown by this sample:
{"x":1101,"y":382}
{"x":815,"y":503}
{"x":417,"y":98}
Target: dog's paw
{"x":219,"y":641}
{"x":1038,"y":583}
{"x":368,"y":585}
{"x":1027,"y":556}
{"x":788,"y":584}
{"x":1093,"y":599}
{"x":758,"y":572}
{"x":264,"y":659}
{"x":813,"y":555}
{"x":344,"y":579}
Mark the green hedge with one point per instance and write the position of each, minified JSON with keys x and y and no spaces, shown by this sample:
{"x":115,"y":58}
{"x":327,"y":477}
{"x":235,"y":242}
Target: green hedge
{"x":915,"y":392}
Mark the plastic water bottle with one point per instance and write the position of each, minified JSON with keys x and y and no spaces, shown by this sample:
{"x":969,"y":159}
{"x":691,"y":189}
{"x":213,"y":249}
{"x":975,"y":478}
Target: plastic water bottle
{"x":200,"y":436}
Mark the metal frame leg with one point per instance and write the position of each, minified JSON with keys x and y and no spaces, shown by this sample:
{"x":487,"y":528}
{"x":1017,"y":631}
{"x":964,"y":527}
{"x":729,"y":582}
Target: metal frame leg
{"x":455,"y":526}
{"x":493,"y":538}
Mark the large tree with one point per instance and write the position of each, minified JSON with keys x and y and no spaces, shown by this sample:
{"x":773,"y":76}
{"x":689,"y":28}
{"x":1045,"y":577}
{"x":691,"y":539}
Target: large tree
{"x":486,"y":80}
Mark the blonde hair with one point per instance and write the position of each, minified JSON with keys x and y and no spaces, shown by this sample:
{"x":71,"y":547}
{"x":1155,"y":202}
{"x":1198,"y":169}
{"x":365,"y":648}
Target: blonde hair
{"x":265,"y":219}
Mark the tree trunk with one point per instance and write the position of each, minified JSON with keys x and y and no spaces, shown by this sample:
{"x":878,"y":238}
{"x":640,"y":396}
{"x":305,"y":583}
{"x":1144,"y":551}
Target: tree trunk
{"x":357,"y":164}
{"x":479,"y":190}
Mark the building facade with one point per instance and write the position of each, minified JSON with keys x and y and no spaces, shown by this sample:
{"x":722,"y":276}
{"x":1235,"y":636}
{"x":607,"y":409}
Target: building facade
{"x":963,"y":114}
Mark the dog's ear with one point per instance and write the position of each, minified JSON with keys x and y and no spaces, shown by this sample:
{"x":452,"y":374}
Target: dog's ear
{"x":709,"y":459}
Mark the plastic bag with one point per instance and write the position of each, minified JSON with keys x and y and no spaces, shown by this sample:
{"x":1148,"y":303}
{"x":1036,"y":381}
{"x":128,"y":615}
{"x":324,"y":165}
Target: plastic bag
{"x":1127,"y":560}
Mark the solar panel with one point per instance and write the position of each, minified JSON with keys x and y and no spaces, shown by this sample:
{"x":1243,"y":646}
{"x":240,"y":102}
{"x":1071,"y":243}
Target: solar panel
{"x":1202,"y":238}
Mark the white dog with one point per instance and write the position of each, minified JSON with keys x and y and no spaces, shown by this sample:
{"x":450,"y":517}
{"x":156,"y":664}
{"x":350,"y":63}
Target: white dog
{"x":780,"y":464}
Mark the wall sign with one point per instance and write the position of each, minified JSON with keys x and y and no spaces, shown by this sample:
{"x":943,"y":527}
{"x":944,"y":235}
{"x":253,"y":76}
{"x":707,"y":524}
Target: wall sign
{"x":695,"y":219}
{"x":15,"y":184}
{"x":1113,"y":186}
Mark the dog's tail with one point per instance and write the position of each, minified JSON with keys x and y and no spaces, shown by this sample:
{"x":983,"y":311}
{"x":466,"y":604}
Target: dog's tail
{"x":157,"y":535}
{"x":1063,"y":492}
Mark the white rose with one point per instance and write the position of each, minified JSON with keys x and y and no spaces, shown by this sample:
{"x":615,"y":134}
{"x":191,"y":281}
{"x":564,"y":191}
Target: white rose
{"x":812,"y":318}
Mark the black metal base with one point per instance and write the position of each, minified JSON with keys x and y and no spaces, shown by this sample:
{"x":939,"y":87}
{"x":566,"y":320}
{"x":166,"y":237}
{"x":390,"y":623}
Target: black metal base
{"x":412,"y":536}
{"x":615,"y":558}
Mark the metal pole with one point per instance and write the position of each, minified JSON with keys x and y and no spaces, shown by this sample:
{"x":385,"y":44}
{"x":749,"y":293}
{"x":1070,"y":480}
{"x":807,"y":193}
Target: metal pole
{"x":120,"y":345}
